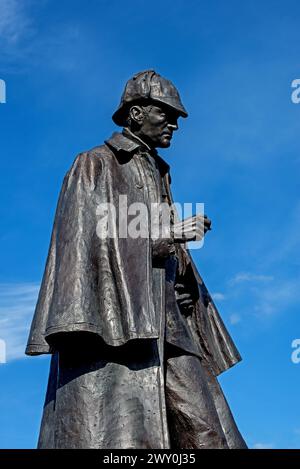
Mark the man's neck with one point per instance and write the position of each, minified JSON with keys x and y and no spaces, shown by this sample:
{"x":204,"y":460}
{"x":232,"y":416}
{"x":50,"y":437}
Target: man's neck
{"x":136,"y":137}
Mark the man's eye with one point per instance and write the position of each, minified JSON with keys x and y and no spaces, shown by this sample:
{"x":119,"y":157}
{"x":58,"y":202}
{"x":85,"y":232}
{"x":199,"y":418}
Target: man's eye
{"x":163,"y":115}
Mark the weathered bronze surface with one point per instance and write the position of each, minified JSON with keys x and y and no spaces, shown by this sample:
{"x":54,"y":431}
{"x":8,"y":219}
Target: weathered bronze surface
{"x":136,"y":340}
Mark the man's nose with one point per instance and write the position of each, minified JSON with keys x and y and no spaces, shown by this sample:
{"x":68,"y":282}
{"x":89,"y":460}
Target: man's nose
{"x":173,"y":125}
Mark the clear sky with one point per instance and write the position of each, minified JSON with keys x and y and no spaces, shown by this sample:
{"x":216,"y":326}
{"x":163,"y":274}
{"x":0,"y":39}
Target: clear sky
{"x":65,"y":64}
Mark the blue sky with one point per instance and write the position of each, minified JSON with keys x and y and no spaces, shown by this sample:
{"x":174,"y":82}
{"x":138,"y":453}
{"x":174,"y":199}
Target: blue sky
{"x":65,"y":64}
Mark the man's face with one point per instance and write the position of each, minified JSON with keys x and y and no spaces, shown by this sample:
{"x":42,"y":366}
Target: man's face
{"x":158,"y":125}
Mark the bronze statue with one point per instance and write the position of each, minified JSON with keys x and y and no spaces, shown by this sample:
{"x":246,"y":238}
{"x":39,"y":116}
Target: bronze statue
{"x":136,"y":340}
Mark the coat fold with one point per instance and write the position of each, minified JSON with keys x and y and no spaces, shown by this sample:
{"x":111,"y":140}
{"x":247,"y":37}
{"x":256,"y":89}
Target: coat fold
{"x":101,"y":286}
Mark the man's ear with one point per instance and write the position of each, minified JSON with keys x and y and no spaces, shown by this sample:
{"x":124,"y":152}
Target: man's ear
{"x":136,"y":114}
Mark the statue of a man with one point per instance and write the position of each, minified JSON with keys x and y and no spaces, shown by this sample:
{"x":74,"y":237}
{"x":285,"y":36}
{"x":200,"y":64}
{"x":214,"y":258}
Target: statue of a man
{"x":136,"y":340}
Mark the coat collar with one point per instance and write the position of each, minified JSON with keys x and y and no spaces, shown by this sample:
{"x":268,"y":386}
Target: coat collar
{"x":128,"y":143}
{"x":119,"y":143}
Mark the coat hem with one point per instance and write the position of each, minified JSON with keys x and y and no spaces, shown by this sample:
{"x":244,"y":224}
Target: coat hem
{"x":39,"y":349}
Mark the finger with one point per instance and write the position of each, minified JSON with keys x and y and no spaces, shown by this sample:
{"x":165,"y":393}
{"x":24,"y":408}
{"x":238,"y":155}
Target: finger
{"x":188,"y":226}
{"x":183,"y":296}
{"x":199,"y":234}
{"x":192,"y":229}
{"x":184,"y":238}
{"x":186,"y":303}
{"x":199,"y":229}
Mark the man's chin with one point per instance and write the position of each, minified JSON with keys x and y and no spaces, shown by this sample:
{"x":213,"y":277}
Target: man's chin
{"x":165,"y":142}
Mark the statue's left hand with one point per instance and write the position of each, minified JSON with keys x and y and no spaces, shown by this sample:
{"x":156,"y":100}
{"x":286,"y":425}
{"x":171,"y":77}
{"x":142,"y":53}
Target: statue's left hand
{"x":184,"y":299}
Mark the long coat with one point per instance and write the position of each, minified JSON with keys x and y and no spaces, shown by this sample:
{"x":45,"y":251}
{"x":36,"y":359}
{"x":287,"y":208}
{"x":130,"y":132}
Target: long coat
{"x":105,"y":287}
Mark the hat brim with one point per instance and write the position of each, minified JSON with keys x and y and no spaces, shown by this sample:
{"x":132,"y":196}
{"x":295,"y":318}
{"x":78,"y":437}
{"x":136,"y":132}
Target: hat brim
{"x":119,"y":116}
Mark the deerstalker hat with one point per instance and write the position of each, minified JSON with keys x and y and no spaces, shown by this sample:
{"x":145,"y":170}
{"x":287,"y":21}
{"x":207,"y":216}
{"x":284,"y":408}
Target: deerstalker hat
{"x":148,"y":85}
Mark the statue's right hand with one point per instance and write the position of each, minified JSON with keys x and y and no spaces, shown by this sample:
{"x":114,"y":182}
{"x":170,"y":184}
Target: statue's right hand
{"x":191,"y":229}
